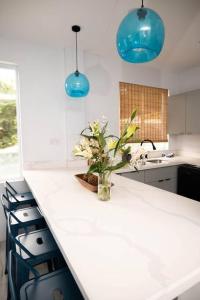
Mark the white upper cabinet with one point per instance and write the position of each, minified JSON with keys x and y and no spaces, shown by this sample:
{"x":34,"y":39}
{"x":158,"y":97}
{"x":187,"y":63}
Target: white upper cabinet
{"x":184,"y":113}
{"x":176,"y":113}
{"x":193,"y":112}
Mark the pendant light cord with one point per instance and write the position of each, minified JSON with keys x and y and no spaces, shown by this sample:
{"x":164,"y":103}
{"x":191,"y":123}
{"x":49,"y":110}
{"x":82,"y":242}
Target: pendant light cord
{"x":142,"y":4}
{"x":76,"y":54}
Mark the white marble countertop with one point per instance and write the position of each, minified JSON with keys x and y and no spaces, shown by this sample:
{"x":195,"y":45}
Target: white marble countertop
{"x":166,"y":162}
{"x":143,"y":244}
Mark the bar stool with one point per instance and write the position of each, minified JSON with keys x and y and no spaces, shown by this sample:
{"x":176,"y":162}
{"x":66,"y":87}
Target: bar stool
{"x":28,"y":219}
{"x":56,"y":285}
{"x":35,"y":248}
{"x":18,"y":199}
{"x":22,"y":217}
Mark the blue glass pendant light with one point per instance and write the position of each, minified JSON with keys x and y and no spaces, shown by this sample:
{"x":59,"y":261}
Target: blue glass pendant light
{"x":77,"y":84}
{"x":140,"y":36}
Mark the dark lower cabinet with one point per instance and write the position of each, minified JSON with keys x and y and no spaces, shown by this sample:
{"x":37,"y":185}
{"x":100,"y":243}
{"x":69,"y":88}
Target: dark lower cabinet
{"x":189,"y":181}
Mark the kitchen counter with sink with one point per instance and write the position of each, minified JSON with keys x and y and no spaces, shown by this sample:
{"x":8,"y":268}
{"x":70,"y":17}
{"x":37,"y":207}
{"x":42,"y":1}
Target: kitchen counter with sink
{"x":161,"y":162}
{"x":143,"y":244}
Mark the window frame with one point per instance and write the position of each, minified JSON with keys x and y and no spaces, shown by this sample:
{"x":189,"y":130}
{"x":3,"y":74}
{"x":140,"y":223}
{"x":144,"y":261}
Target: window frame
{"x":13,"y":66}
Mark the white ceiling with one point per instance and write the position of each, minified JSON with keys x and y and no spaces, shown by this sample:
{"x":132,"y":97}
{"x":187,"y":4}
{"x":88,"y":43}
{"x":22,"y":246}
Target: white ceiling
{"x":49,"y":22}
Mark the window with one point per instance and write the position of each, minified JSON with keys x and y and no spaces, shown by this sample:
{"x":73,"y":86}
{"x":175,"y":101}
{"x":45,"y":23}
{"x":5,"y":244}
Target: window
{"x":151,"y":106}
{"x":9,"y":141}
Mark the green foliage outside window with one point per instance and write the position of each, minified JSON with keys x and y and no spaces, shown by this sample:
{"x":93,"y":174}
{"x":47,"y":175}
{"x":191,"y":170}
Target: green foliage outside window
{"x":8,"y":124}
{"x":6,"y":88}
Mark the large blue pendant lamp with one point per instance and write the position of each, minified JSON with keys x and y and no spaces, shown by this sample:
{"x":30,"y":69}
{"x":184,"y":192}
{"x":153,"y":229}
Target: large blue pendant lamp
{"x":140,"y":36}
{"x":77,"y":84}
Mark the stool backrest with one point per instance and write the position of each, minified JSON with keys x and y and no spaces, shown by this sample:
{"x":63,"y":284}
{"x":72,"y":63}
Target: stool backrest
{"x":9,"y":193}
{"x":14,"y":290}
{"x":10,"y":187}
{"x":5,"y":207}
{"x":14,"y":240}
{"x":11,"y":275}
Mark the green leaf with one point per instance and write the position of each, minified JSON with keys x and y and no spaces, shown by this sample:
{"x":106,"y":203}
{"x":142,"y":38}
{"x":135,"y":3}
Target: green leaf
{"x":94,"y":168}
{"x":103,"y":131}
{"x":117,"y":147}
{"x":102,"y":140}
{"x":133,"y":115}
{"x":120,"y":165}
{"x":86,"y":136}
{"x":111,"y":136}
{"x":126,"y":150}
{"x":129,"y":124}
{"x":85,"y":130}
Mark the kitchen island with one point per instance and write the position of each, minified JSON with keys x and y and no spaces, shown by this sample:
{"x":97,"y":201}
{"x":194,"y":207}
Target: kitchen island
{"x":143,"y":244}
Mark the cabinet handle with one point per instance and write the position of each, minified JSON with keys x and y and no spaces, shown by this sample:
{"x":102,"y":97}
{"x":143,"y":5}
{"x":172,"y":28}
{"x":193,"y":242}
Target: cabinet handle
{"x":167,"y":179}
{"x":161,"y":180}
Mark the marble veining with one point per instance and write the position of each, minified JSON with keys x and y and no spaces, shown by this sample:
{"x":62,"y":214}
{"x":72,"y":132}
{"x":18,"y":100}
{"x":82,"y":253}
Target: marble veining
{"x":143,"y":244}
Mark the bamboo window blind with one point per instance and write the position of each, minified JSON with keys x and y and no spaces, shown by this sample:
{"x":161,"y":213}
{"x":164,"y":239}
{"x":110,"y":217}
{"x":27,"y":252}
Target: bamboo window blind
{"x":151,"y":106}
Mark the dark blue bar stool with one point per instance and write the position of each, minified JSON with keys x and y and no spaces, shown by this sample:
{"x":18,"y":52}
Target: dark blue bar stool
{"x":55,"y":285}
{"x":36,"y":247}
{"x":22,"y":217}
{"x":18,"y":199}
{"x":27,"y":219}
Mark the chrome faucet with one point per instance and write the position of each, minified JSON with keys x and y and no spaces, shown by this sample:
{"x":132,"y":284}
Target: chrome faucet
{"x":148,"y":141}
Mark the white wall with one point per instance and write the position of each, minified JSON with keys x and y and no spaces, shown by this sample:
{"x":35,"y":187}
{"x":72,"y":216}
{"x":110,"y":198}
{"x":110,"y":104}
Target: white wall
{"x":181,"y":82}
{"x":171,"y":81}
{"x":41,"y":72}
{"x":186,"y":144}
{"x":190,"y":79}
{"x":104,"y":74}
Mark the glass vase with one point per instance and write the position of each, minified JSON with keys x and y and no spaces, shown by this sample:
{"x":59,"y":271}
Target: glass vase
{"x":104,"y":186}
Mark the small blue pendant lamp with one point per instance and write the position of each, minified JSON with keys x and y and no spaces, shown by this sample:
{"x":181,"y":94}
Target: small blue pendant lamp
{"x":140,"y":36}
{"x":77,"y":84}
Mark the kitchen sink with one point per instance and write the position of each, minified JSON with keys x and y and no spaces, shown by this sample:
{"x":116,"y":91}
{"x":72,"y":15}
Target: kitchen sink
{"x":155,"y":161}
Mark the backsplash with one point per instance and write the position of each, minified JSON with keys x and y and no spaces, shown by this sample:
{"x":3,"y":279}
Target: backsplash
{"x":185,"y":144}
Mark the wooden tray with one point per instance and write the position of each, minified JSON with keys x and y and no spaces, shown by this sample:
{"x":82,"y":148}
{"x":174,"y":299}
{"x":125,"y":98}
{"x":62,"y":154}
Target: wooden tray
{"x":87,"y":185}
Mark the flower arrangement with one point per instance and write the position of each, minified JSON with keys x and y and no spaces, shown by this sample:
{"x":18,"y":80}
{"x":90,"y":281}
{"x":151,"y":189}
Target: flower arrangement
{"x":106,"y":153}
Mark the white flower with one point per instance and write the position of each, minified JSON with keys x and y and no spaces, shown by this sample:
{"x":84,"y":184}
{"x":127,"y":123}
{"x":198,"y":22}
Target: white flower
{"x":87,"y":153}
{"x":83,"y":149}
{"x":94,"y":143}
{"x":95,"y":127}
{"x":77,"y":151}
{"x":136,"y":155}
{"x":84,"y":142}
